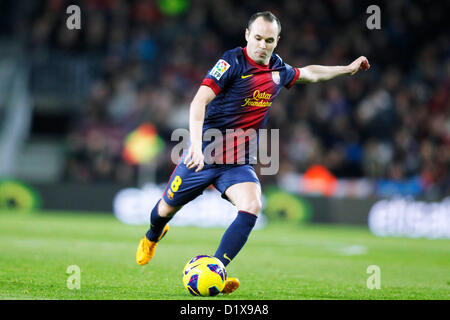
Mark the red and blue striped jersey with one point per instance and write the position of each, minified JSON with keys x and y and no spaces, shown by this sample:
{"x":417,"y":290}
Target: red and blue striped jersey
{"x":244,"y":92}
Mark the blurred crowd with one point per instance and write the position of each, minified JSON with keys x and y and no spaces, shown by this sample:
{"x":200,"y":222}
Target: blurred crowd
{"x":390,"y":123}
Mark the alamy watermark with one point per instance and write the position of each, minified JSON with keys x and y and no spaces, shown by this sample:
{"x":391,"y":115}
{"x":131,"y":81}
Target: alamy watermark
{"x":374,"y":280}
{"x":234,"y":146}
{"x":374,"y":20}
{"x":73,"y":22}
{"x":74,"y":280}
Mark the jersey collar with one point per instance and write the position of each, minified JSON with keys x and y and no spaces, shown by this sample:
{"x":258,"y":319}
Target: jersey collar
{"x":252,"y":62}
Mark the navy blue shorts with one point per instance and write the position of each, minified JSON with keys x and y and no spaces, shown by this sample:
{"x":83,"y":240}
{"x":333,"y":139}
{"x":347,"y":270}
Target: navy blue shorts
{"x":185,"y":184}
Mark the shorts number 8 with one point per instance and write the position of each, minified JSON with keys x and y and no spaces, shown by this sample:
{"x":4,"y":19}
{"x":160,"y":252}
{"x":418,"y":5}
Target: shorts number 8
{"x":176,"y":184}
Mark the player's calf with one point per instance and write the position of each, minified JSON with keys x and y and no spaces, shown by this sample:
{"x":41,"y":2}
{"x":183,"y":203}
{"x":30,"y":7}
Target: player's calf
{"x":235,"y":237}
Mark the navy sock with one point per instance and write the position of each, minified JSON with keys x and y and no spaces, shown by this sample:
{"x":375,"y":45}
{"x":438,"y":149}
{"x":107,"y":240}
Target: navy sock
{"x":235,"y":237}
{"x":157,"y":224}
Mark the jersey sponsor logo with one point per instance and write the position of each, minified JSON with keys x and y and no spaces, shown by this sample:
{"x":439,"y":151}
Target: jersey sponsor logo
{"x":276,"y":77}
{"x":258,"y":99}
{"x":246,"y":76}
{"x":219,"y":69}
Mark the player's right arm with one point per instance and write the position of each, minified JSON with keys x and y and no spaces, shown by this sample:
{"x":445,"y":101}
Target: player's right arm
{"x":194,"y":157}
{"x":212,"y":85}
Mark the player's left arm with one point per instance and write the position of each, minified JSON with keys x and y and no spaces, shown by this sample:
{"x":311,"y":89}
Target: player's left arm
{"x":316,"y":73}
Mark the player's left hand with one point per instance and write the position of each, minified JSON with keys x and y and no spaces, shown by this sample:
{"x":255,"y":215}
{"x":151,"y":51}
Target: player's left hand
{"x":359,"y":64}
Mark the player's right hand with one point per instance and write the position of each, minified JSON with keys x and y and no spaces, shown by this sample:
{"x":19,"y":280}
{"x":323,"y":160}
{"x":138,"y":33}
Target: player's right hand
{"x":194,"y":157}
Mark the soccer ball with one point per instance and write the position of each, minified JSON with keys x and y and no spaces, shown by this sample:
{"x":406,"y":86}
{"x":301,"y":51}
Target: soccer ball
{"x":204,"y":276}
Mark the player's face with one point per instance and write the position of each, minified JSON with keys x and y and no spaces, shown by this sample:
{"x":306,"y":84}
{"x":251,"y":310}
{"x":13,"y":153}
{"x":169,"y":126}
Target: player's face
{"x":262,"y":39}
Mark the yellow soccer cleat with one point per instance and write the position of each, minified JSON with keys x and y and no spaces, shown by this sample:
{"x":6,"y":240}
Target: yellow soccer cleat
{"x":146,"y":248}
{"x":231,"y":284}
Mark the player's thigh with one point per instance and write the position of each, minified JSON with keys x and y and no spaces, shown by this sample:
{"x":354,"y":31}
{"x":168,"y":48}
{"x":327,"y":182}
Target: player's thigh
{"x":184,"y":186}
{"x":240,"y":185}
{"x":246,"y":196}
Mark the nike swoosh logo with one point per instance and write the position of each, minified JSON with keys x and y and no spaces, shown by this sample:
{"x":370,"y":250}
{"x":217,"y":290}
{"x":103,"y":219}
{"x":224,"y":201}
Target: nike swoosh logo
{"x":226,"y":257}
{"x":243,"y":77}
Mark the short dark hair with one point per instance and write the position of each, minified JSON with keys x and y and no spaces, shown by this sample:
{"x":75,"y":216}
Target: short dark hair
{"x":267,"y":16}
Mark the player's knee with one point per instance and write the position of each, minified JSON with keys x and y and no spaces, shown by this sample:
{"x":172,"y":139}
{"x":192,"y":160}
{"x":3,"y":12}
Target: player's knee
{"x":166,"y":210}
{"x":253,"y":206}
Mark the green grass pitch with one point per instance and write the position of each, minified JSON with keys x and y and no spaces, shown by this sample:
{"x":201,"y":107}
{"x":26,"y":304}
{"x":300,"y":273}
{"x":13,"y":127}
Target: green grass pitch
{"x":280,"y":262}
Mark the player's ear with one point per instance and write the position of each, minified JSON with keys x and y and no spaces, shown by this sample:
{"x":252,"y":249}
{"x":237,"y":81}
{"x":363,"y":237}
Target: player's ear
{"x":247,"y":32}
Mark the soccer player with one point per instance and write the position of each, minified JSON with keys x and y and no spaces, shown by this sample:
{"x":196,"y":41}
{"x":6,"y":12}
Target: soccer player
{"x":237,"y":93}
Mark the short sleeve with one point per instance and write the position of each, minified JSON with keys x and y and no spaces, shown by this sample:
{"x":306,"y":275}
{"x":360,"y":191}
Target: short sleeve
{"x":221,"y":73}
{"x":291,"y":75}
